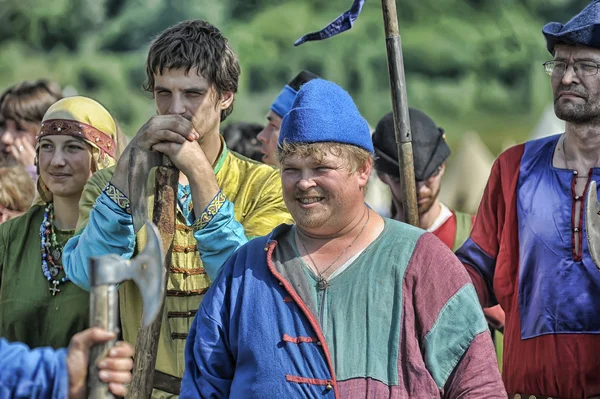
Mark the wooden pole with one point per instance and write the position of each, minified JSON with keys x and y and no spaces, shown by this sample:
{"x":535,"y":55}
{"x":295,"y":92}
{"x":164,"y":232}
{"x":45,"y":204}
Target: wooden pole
{"x":400,"y":111}
{"x":146,"y":348}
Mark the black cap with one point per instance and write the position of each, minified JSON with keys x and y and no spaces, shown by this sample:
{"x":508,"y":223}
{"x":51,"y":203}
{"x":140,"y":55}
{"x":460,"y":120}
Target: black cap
{"x":301,"y":78}
{"x":430,"y":149}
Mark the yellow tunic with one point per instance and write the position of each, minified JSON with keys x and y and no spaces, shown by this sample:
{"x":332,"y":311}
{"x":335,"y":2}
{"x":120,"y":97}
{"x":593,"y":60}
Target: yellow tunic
{"x":254,"y":189}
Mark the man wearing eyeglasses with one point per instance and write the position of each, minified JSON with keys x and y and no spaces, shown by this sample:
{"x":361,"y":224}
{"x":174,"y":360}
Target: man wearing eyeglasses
{"x":528,"y":248}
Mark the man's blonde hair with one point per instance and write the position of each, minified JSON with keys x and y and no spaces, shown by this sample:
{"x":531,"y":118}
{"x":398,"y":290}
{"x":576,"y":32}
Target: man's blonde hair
{"x":354,"y":157}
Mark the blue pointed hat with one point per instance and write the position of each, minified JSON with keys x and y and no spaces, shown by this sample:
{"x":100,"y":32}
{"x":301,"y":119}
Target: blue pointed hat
{"x":582,"y":29}
{"x":324,"y":112}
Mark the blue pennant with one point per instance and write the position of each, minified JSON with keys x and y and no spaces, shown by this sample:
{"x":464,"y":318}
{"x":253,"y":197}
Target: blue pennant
{"x":341,"y":24}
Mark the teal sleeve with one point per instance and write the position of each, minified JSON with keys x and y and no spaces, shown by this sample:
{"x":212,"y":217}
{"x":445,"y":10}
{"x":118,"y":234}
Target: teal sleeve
{"x":109,"y":231}
{"x":32,"y":373}
{"x":219,"y":236}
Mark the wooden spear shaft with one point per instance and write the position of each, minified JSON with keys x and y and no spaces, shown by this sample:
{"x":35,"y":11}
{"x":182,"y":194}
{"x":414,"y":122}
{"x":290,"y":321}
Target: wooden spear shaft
{"x":165,"y":200}
{"x":400,"y":111}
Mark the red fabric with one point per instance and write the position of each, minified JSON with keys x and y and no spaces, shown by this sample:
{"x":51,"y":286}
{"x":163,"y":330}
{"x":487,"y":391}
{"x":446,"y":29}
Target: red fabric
{"x":447,"y":231}
{"x":447,"y":234}
{"x":559,"y":365}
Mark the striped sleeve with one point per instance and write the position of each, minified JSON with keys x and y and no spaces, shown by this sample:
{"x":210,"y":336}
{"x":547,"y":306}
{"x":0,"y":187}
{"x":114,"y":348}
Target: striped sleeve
{"x":451,"y":328}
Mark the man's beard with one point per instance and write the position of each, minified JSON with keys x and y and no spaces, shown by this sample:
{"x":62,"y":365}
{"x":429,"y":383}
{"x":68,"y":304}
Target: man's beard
{"x":578,"y":114}
{"x":427,"y":206}
{"x":575,"y":113}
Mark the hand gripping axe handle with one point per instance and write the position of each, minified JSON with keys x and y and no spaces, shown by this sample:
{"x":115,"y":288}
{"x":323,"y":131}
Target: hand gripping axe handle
{"x":106,"y":272}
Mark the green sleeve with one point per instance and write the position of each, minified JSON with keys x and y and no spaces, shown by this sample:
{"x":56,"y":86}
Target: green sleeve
{"x":91,"y":192}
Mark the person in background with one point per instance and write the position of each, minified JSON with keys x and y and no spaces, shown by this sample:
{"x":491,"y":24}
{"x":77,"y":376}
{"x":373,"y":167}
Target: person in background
{"x":241,"y":138}
{"x":39,"y":305}
{"x":281,"y":106}
{"x":17,"y":191}
{"x":430,"y":152}
{"x":22,"y":108}
{"x":45,"y":373}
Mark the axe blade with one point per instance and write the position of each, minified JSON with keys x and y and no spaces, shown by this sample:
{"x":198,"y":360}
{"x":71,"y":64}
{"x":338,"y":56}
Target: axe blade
{"x":592,"y":223}
{"x":140,"y":164}
{"x":150,"y":274}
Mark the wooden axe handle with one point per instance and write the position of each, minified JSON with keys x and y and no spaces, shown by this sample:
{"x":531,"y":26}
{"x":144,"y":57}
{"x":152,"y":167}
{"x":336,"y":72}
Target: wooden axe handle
{"x":146,"y":349}
{"x":104,"y":308}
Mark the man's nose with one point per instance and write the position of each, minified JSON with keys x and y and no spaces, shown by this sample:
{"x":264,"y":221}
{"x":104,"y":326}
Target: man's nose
{"x":306,"y":181}
{"x":570,"y":77}
{"x":262,"y":136}
{"x":177,"y":106}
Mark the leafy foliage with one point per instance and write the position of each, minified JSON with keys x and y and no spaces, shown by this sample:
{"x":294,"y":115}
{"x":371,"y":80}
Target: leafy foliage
{"x":471,"y":64}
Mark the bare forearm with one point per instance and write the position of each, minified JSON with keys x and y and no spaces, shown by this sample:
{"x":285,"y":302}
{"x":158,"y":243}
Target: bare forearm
{"x":204,"y":187}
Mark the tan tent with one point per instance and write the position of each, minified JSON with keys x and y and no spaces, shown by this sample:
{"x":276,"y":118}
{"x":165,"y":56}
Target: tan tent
{"x":548,"y":124}
{"x":467,"y":172}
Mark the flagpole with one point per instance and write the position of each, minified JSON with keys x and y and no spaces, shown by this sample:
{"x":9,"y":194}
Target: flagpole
{"x":400,"y":111}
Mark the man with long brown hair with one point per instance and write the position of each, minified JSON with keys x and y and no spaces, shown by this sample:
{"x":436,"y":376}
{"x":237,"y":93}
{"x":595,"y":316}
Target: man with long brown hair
{"x":223,"y":198}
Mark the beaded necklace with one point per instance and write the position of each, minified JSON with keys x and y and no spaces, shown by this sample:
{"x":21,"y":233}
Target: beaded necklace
{"x":51,"y":251}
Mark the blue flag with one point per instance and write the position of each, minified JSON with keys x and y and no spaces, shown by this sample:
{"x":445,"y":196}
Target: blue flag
{"x":341,"y":24}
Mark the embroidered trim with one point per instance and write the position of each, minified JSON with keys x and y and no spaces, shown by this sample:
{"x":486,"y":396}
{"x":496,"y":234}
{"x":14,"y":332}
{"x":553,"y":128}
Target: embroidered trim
{"x":304,"y":380}
{"x":81,"y":130}
{"x":179,"y":335}
{"x":211,"y":210}
{"x":181,"y":315}
{"x":311,"y":319}
{"x":187,"y":293}
{"x":187,"y":272}
{"x":185,"y":249}
{"x":182,"y":227}
{"x":299,"y":340}
{"x":118,"y":197}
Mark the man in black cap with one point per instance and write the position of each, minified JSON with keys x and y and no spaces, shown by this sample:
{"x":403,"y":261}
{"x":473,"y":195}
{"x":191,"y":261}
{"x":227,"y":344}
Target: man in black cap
{"x":528,"y":248}
{"x":430,"y":152}
{"x":281,"y":106}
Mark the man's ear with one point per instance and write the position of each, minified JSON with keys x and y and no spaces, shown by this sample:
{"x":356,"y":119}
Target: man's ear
{"x":364,"y":172}
{"x":226,"y":100}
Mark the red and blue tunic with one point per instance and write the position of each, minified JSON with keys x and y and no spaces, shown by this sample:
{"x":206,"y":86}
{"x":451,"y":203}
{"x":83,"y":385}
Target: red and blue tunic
{"x":521,"y":254}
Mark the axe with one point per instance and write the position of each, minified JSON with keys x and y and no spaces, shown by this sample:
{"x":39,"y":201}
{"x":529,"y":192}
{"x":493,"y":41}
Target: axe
{"x":106,"y":272}
{"x":592,"y":223}
{"x":165,"y":200}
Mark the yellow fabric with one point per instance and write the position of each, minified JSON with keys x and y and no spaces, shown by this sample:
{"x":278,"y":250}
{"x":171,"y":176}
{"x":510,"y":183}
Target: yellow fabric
{"x":255,"y":191}
{"x":84,"y":110}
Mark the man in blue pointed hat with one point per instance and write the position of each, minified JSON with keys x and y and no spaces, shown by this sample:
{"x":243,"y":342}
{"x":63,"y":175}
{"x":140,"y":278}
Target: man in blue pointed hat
{"x":269,"y":135}
{"x":344,"y":303}
{"x":528,"y":249}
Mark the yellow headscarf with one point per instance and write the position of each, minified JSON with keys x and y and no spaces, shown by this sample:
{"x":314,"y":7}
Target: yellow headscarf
{"x":86,"y":119}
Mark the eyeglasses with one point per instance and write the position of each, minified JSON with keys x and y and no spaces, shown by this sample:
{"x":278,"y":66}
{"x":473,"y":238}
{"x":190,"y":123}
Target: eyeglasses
{"x":581,"y":68}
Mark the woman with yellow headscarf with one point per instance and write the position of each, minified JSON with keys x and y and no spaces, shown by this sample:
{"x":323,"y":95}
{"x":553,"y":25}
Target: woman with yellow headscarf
{"x":38,"y":304}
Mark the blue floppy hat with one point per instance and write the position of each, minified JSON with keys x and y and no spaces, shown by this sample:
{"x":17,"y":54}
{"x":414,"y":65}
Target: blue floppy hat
{"x":324,"y":112}
{"x":582,"y":29}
